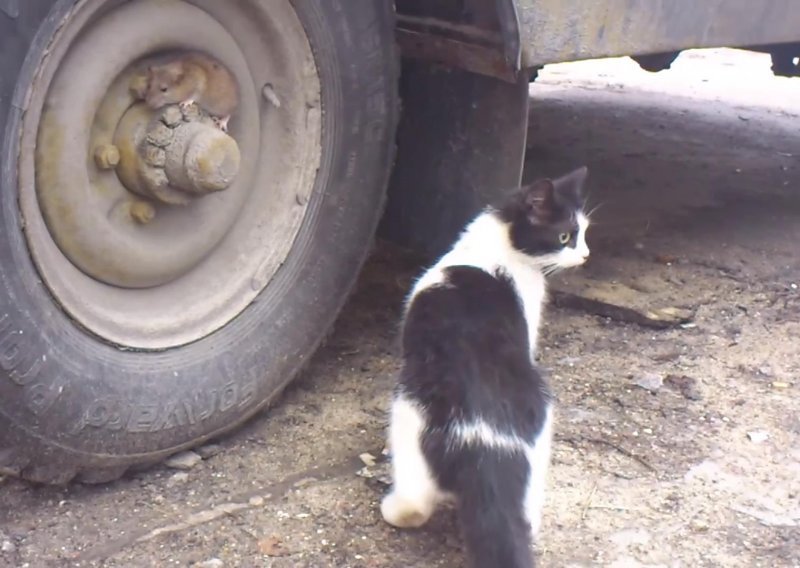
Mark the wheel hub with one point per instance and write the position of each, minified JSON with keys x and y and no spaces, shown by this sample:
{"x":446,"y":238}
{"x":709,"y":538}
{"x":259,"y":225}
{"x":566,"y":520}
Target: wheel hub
{"x":172,"y":158}
{"x":153,"y":228}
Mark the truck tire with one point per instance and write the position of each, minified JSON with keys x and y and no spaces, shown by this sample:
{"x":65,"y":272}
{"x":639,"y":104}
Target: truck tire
{"x":109,"y":360}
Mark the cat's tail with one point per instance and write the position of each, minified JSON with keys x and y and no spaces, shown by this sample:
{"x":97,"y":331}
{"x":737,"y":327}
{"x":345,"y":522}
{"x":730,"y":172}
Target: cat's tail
{"x":496,"y":530}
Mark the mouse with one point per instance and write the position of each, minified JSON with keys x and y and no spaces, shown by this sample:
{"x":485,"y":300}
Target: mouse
{"x":194,"y":78}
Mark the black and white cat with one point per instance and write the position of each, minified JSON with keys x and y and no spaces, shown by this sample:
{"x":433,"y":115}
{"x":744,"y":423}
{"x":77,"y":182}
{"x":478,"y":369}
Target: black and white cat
{"x":471,"y":417}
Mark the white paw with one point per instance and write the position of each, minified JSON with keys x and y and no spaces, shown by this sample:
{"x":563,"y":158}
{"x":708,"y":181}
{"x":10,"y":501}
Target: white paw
{"x":403,"y":513}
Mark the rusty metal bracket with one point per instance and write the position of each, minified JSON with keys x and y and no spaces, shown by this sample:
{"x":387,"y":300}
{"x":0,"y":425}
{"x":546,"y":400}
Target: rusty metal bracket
{"x":473,"y":36}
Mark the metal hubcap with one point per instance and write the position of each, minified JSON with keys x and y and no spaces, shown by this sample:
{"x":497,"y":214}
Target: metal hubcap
{"x":154,"y":227}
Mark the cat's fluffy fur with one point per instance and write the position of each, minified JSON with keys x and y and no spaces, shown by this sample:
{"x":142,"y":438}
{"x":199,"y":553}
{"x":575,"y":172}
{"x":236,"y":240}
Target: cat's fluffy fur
{"x":472,"y":414}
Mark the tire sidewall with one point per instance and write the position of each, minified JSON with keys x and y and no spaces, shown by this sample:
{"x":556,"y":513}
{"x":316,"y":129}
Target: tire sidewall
{"x":63,"y":388}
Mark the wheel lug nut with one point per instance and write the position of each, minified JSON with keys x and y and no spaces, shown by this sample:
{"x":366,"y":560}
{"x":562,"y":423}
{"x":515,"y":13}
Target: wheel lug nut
{"x":106,"y":156}
{"x":142,"y":212}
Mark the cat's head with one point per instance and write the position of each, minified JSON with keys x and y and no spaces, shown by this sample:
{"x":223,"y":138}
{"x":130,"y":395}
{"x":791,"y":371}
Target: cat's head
{"x":547,"y":222}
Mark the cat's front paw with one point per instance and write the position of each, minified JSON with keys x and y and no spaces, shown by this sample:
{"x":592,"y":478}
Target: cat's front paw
{"x":403,"y":513}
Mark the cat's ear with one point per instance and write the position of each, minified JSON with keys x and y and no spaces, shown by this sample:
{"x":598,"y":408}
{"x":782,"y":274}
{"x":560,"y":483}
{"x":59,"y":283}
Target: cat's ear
{"x":539,"y":200}
{"x":572,"y":184}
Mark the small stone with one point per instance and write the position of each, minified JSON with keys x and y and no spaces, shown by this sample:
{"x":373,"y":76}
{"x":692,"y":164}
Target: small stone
{"x":687,"y":386}
{"x":159,"y":499}
{"x":649,"y":381}
{"x":699,"y":526}
{"x":670,"y":314}
{"x":178,"y":479}
{"x":183,"y":460}
{"x":368,"y":459}
{"x":366,"y":473}
{"x":272,"y":546}
{"x":208,"y":451}
{"x":780,"y":385}
{"x":667,"y":259}
{"x":8,"y":546}
{"x":256,"y":501}
{"x":758,"y":436}
{"x":212,"y":563}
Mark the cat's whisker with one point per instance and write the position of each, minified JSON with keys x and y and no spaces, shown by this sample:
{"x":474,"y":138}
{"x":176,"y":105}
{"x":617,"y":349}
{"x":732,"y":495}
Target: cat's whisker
{"x":595,"y":208}
{"x":551,"y":269}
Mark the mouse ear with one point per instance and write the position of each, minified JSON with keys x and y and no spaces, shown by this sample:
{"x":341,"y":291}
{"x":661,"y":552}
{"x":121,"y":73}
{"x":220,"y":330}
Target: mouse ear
{"x":175,"y":71}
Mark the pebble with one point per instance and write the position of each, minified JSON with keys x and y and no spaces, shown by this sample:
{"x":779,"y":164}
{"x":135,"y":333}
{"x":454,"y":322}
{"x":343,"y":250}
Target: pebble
{"x":569,"y":361}
{"x":649,"y":381}
{"x":256,"y":501}
{"x":8,"y":546}
{"x":758,"y":436}
{"x":177,"y":479}
{"x":212,"y":563}
{"x":368,"y":459}
{"x":209,"y":450}
{"x":184,"y":460}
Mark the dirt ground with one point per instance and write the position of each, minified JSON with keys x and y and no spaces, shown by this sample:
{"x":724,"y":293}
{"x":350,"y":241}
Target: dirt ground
{"x":675,"y":447}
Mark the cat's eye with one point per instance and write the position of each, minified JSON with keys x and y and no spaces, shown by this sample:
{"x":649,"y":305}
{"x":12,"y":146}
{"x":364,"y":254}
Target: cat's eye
{"x":564,"y":238}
